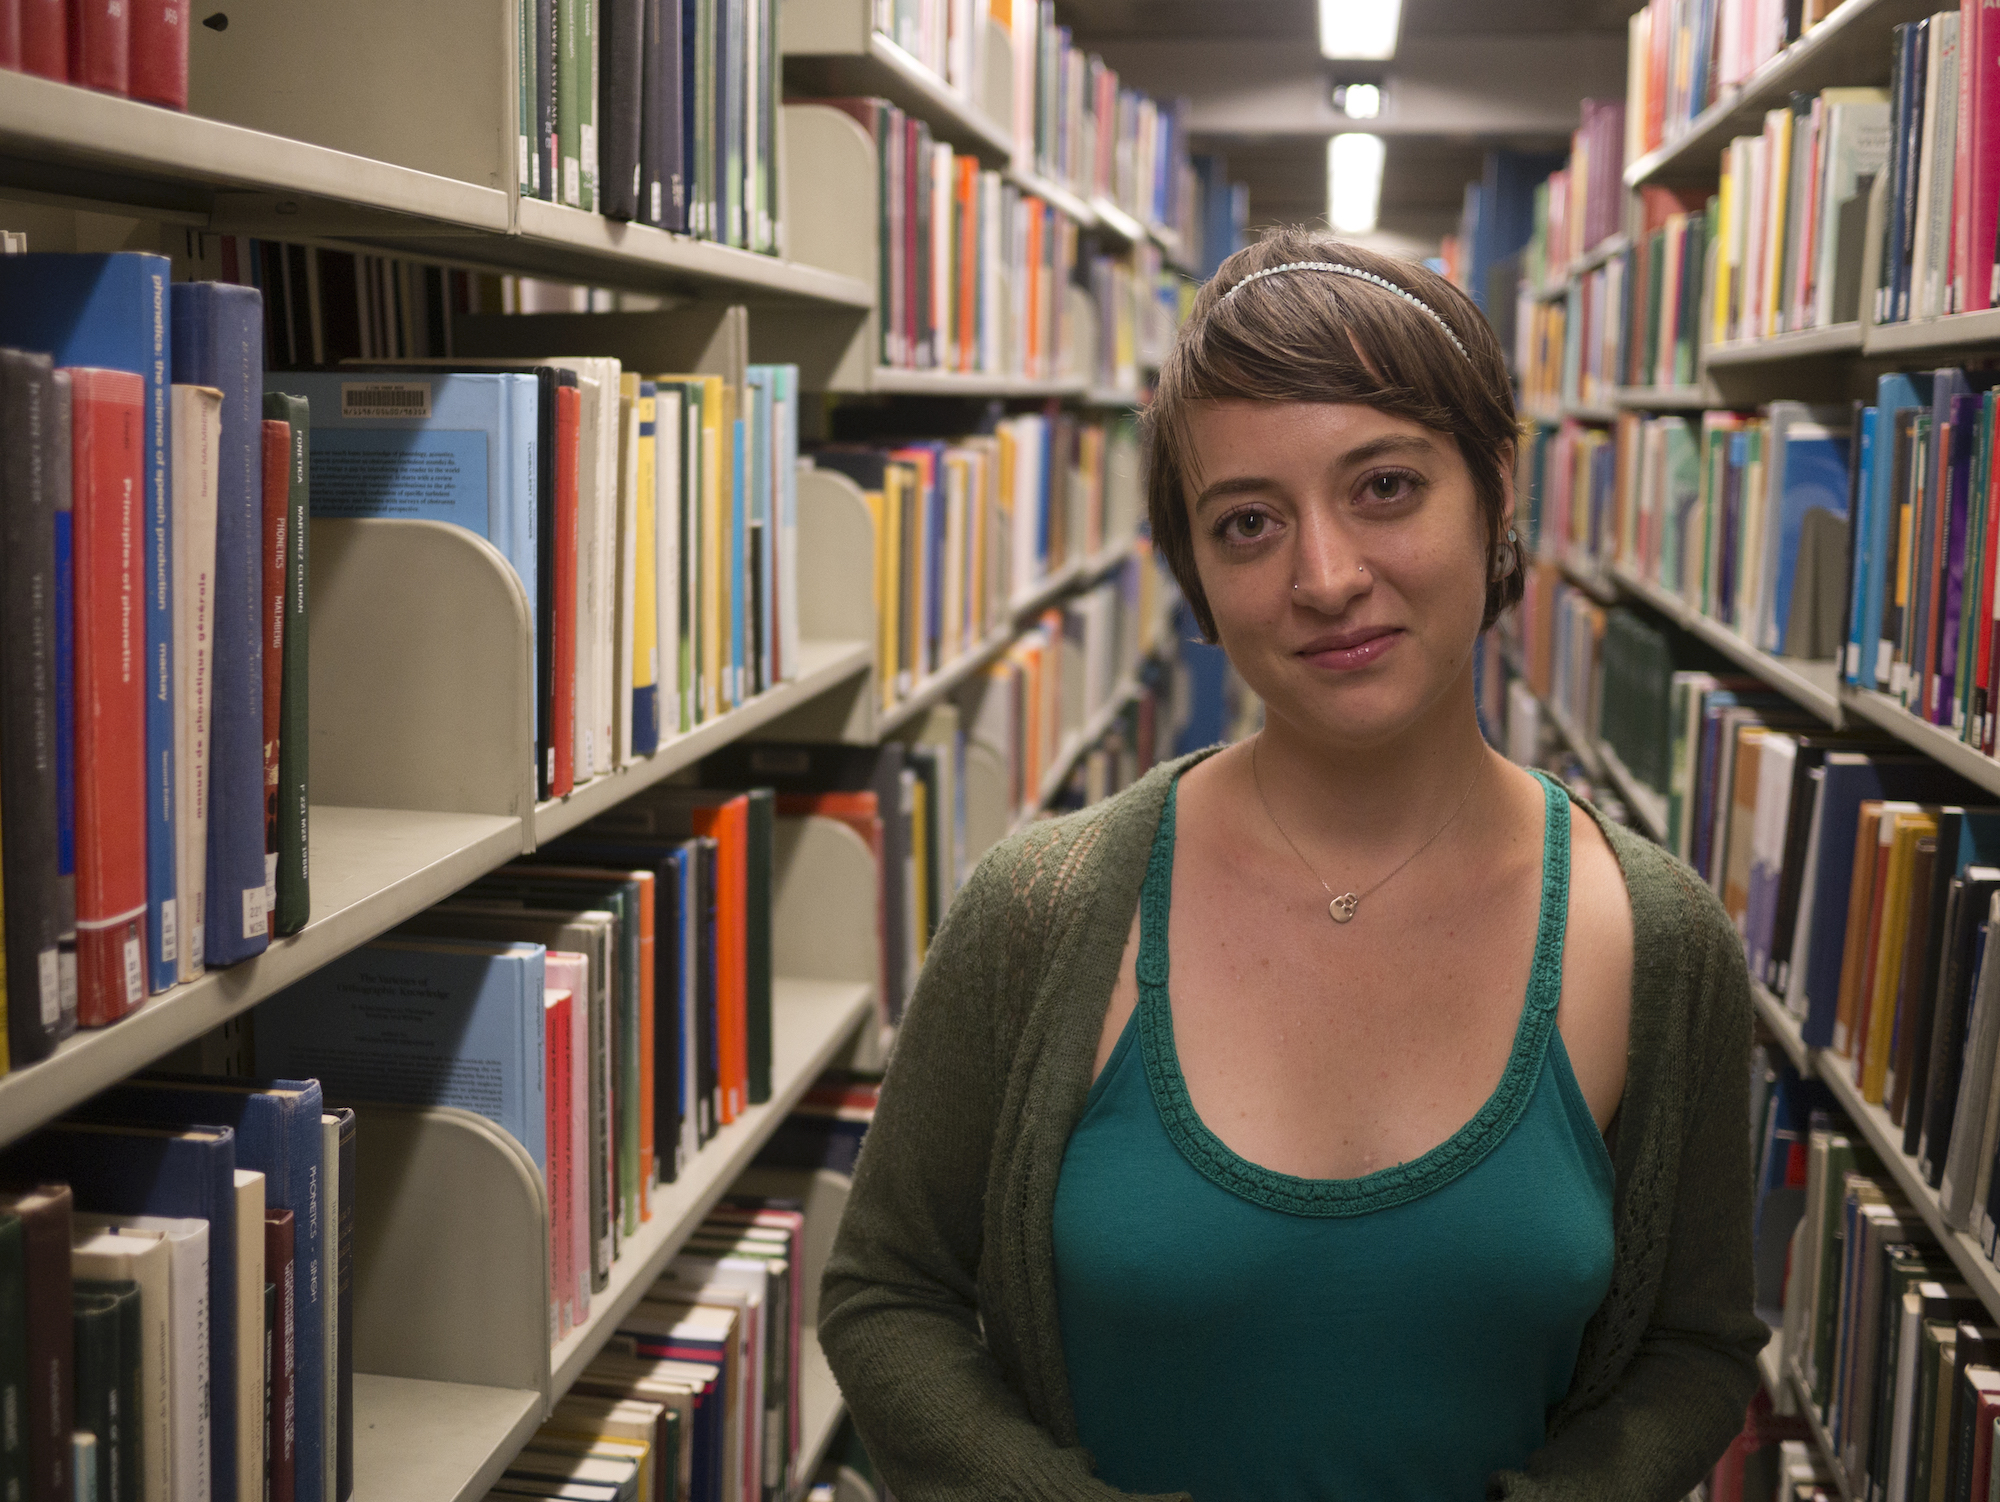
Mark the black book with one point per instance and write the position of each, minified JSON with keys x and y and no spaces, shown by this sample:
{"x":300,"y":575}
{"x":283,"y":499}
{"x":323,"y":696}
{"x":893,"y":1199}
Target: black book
{"x":100,"y":1409}
{"x":28,"y":746}
{"x":1970,"y":897}
{"x":343,"y":1314}
{"x":1978,"y":1345}
{"x":1791,"y":873}
{"x":125,"y":1457}
{"x":675,"y":94}
{"x":544,"y":146}
{"x":621,"y":40}
{"x":1909,"y":149}
{"x":708,"y":1040}
{"x":1923,"y":1016}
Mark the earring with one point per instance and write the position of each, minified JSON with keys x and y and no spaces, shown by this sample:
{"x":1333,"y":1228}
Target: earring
{"x":1506,"y":559}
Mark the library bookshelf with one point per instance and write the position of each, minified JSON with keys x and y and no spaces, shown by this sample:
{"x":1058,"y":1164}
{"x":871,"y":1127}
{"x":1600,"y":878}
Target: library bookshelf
{"x":390,"y":130}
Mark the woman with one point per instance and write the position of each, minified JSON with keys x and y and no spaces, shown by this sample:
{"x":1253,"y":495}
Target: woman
{"x":1427,"y":1177}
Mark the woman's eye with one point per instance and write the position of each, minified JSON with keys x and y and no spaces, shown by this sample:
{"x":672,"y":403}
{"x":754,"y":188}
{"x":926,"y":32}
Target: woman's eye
{"x":1246,"y":526}
{"x":1395,"y":485}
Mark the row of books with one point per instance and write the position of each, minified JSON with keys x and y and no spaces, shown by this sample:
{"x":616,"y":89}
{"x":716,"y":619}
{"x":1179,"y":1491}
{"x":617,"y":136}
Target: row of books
{"x":178,"y":1274}
{"x":1077,"y":124}
{"x":695,"y":1398}
{"x":661,"y":114}
{"x":1566,"y":474}
{"x":137,"y":52}
{"x":1582,"y":204}
{"x":1685,"y":55}
{"x":1129,"y":749}
{"x":1773,"y":1458}
{"x":1138,"y":305}
{"x":1558,"y":632}
{"x":974,"y":272}
{"x":153,"y":698}
{"x":1744,"y":516}
{"x":324,"y":306}
{"x":966,"y":528}
{"x":1792,"y":215}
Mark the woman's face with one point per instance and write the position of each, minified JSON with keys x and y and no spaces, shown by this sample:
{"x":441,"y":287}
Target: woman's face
{"x":1344,"y":560}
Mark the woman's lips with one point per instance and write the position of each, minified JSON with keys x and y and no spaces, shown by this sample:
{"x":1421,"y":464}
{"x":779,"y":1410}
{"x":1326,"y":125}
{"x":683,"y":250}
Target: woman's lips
{"x":1348,"y":650}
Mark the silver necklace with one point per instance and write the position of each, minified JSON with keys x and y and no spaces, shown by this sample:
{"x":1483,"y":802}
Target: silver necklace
{"x":1342,"y":907}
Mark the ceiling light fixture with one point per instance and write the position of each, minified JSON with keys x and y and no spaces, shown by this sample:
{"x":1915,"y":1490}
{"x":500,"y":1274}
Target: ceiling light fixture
{"x":1354,"y":182}
{"x":1359,"y":29}
{"x":1359,"y":101}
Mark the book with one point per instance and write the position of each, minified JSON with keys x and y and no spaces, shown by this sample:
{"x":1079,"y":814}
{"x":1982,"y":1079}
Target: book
{"x":197,"y":436}
{"x":281,"y":1418}
{"x":14,"y":1471}
{"x":158,"y":71}
{"x":275,"y":521}
{"x":112,"y":732}
{"x":145,"y":1263}
{"x":103,"y":1312}
{"x":339,"y":1140}
{"x":49,"y":1415}
{"x":250,"y":1285}
{"x":294,"y":813}
{"x":34,"y":923}
{"x":218,"y":335}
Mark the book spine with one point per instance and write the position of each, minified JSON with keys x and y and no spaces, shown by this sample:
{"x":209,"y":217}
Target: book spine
{"x":294,"y":884}
{"x":15,"y":1475}
{"x":1980,"y":58}
{"x":563,"y":627}
{"x":62,"y":488}
{"x":197,"y":425}
{"x":50,"y":1417}
{"x":281,"y":1431}
{"x":28,"y":709}
{"x":219,"y":342}
{"x":108,"y":455}
{"x":342,"y":1292}
{"x":164,"y":915}
{"x":543,"y":37}
{"x":622,"y":41}
{"x":100,"y":46}
{"x":45,"y":38}
{"x":273,"y":550}
{"x":569,"y":156}
{"x":159,"y":69}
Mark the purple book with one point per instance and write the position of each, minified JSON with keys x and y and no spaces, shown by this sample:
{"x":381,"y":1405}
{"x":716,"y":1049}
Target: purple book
{"x":1964,"y":425}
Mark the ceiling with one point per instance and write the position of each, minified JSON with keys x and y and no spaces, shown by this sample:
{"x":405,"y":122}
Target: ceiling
{"x":1463,"y":93}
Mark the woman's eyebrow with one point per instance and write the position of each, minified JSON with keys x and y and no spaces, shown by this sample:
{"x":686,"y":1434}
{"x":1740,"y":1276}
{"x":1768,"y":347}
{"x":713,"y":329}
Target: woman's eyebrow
{"x":1233,"y":486}
{"x":1362,"y":453}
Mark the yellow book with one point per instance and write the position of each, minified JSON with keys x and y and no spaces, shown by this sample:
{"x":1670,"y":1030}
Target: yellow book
{"x":1901,"y":833}
{"x":1004,"y":538}
{"x":646,"y":707}
{"x":885,"y":621}
{"x":1776,"y":198}
{"x":892,"y":577}
{"x":669,"y":472}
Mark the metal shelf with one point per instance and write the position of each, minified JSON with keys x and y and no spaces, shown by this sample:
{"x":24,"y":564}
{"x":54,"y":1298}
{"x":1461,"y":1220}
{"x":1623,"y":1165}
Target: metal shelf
{"x":1932,"y":335}
{"x":1584,"y":748}
{"x":1934,"y":741}
{"x":884,"y":70}
{"x":821,"y":1410}
{"x":1812,"y":685}
{"x":418,"y":1441}
{"x":1851,"y":46}
{"x":1055,"y":195}
{"x":1833,"y":339}
{"x":896,"y":381}
{"x":1663,"y":398}
{"x":371,"y":869}
{"x":1648,"y":807}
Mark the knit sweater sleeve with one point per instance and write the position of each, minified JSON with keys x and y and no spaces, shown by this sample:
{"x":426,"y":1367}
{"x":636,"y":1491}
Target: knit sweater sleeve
{"x":1679,"y":1401}
{"x":899,"y":1315}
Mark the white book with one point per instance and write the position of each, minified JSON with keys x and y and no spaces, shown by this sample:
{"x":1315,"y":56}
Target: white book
{"x":1941,"y":129}
{"x":1855,"y":144}
{"x":329,"y":1139}
{"x":197,"y":437}
{"x":1975,"y":1081}
{"x":147,"y":1261}
{"x":669,"y":433}
{"x":187,"y":1337}
{"x":250,"y":1199}
{"x":741,"y":1284}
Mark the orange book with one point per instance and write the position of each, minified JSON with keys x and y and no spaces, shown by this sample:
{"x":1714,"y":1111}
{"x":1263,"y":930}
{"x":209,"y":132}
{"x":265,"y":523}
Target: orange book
{"x":1872,"y":951}
{"x":968,"y":262}
{"x":1860,"y":899}
{"x":728,"y":824}
{"x":1031,"y":302}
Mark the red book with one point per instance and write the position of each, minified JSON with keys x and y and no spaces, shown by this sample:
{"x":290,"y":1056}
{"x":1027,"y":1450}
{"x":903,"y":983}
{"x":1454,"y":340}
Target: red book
{"x":281,"y":1432}
{"x":49,"y":1401}
{"x":109,"y":531}
{"x":728,"y":824}
{"x":100,"y":45}
{"x":10,"y":35}
{"x":569,"y":414}
{"x":555,"y":1099}
{"x":160,"y":52}
{"x":45,"y":38}
{"x":277,"y":512}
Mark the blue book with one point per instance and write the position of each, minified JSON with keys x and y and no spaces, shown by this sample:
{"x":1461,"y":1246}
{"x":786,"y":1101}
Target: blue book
{"x":277,"y":1129}
{"x":144,"y":1170}
{"x":1852,"y":778}
{"x":1913,"y":59}
{"x":1893,"y":394}
{"x":447,"y":446}
{"x":1861,"y":537}
{"x":110,"y":311}
{"x":1814,"y":478}
{"x":219,"y":342}
{"x":421,"y":1022}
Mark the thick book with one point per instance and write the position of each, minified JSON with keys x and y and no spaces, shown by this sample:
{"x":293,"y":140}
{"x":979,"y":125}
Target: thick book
{"x":159,"y":66}
{"x":113,"y":775}
{"x":99,"y":1312}
{"x":250,"y":1285}
{"x":621,"y":34}
{"x":276,"y":516}
{"x":190,"y":1454}
{"x":100,"y":57}
{"x":49,"y":1417}
{"x":109,"y":312}
{"x":294,"y":891}
{"x":219,"y":341}
{"x":275,"y":1122}
{"x":34,"y":922}
{"x":468,"y":1031}
{"x":281,"y":1404}
{"x":197,"y":439}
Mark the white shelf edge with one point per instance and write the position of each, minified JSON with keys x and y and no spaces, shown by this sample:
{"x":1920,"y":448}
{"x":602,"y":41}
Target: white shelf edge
{"x":810,"y":1022}
{"x":1662,"y":398}
{"x":895,"y":380}
{"x":1884,"y":1138}
{"x":1054,"y":194}
{"x":1821,"y":1440}
{"x":1934,"y":741}
{"x":459,"y":849}
{"x":1832,"y":339}
{"x":1583,"y":746}
{"x":1921,"y":336}
{"x":826,"y":663}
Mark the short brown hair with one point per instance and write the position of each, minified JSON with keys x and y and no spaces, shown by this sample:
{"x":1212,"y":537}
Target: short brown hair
{"x":1315,"y":336}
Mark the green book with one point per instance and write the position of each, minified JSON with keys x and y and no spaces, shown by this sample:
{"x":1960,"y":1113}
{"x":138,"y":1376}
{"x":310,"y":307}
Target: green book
{"x":294,"y":895}
{"x":569,"y":119}
{"x":13,"y":1356}
{"x":107,"y":1381}
{"x":1839,"y":1162}
{"x":586,"y":100}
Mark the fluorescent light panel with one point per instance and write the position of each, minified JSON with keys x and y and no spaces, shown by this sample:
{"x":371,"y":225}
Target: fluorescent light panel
{"x":1361,"y":101}
{"x":1354,"y":182}
{"x":1359,"y":29}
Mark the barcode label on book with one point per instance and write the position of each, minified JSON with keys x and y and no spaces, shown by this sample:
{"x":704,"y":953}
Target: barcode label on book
{"x":253,"y":911}
{"x":385,"y":399}
{"x":48,"y":981}
{"x":169,"y":930}
{"x":135,"y":973}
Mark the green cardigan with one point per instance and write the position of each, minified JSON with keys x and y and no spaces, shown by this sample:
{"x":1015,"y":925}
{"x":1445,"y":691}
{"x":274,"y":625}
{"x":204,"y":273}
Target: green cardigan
{"x":938,"y":1308}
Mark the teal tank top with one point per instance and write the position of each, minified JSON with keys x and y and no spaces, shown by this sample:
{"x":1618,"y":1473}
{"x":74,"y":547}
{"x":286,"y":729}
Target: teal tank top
{"x":1237,"y":1333}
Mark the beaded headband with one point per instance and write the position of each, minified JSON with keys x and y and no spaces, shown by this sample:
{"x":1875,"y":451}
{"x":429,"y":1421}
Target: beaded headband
{"x":1367,"y":276}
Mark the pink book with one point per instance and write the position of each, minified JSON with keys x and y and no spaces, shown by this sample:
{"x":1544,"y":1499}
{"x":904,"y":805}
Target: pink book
{"x":159,"y":72}
{"x":1979,"y":157}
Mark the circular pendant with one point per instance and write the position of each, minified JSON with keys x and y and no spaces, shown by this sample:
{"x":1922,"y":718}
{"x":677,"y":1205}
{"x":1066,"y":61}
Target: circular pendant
{"x":1342,"y":908}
